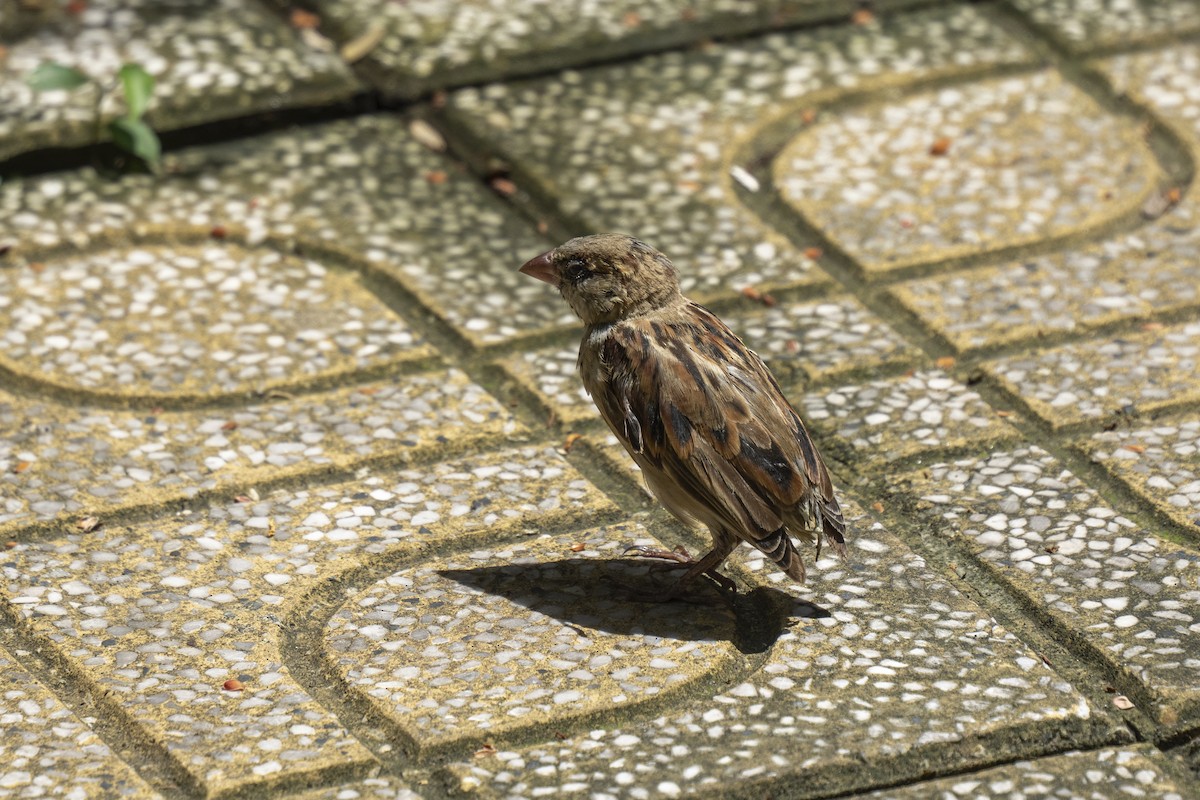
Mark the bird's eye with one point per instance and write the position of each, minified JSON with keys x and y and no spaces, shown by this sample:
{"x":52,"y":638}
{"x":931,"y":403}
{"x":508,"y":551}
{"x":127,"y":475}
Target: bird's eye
{"x":575,"y":270}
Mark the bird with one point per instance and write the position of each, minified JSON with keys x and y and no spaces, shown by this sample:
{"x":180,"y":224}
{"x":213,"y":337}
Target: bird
{"x":699,"y":412}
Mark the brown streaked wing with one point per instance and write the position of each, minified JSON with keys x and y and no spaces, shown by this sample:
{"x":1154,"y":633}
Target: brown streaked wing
{"x":712,"y":417}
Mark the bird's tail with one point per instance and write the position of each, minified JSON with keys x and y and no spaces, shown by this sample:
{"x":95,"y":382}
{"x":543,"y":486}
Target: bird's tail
{"x":833,"y":527}
{"x":779,"y":548}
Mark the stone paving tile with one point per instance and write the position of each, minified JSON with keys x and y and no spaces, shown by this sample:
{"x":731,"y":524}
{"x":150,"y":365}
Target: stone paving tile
{"x":1151,"y":270}
{"x":801,"y":341}
{"x":365,"y":187}
{"x":1160,"y":462}
{"x":384,"y":787}
{"x":48,"y":752}
{"x":1129,"y":277}
{"x":428,"y":43}
{"x":819,"y":340}
{"x":533,"y":634}
{"x":552,"y":375}
{"x":163,"y":614}
{"x":211,"y":61}
{"x":898,"y":417}
{"x":1095,"y":775}
{"x":59,"y":462}
{"x":204,"y":320}
{"x":1085,"y":25}
{"x":1093,"y":379}
{"x":883,"y":661}
{"x":965,"y":169}
{"x":1129,"y":594}
{"x":646,"y":146}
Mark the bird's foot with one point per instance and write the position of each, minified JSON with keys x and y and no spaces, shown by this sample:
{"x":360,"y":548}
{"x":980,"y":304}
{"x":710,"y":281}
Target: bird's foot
{"x":679,"y":555}
{"x":681,"y":558}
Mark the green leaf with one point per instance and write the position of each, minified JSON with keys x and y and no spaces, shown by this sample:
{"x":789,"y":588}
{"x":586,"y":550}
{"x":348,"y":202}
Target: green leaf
{"x":139,"y":87}
{"x":50,"y":75}
{"x":136,"y":137}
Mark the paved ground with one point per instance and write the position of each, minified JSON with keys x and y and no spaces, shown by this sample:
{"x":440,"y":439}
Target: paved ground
{"x":301,"y":498}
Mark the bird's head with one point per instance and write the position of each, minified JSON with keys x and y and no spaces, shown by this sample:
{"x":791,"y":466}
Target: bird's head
{"x":608,"y":277}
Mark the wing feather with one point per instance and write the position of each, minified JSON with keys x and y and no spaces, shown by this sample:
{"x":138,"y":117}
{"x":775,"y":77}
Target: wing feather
{"x":700,"y":411}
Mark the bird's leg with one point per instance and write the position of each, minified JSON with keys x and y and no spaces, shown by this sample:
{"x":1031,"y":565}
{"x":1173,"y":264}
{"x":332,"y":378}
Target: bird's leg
{"x":679,"y":555}
{"x":706,"y":565}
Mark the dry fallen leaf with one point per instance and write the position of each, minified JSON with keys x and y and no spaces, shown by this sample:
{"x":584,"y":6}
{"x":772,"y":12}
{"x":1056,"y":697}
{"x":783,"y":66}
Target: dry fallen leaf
{"x":233,"y":685}
{"x":1122,"y":702}
{"x":242,"y":498}
{"x":427,"y":135}
{"x":1134,"y":448}
{"x":813,"y":253}
{"x":229,"y":426}
{"x":940,"y":146}
{"x":21,"y":466}
{"x":304,"y":20}
{"x":9,"y":545}
{"x":87,"y":524}
{"x":750,"y":293}
{"x":878,"y":506}
{"x":571,"y":439}
{"x":357,"y":48}
{"x":488,"y":749}
{"x":1000,"y":413}
{"x":503,"y":186}
{"x":578,"y":547}
{"x":1160,"y":203}
{"x":945,"y":362}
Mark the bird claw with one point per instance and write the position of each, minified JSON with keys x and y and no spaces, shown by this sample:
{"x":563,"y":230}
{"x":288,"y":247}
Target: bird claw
{"x":678,"y":555}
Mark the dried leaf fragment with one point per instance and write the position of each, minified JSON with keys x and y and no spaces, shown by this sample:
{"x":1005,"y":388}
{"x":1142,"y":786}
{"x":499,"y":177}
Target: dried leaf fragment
{"x":357,"y":48}
{"x":233,"y":685}
{"x":945,"y":362}
{"x":877,"y":506}
{"x":503,"y":186}
{"x":570,"y":441}
{"x":488,"y":749}
{"x":1134,"y":448}
{"x":87,"y":524}
{"x":813,"y":253}
{"x":229,"y":425}
{"x":1158,"y":204}
{"x":1122,"y":702}
{"x":427,"y":135}
{"x":303,"y":20}
{"x":21,"y":466}
{"x":940,"y":146}
{"x":578,"y":547}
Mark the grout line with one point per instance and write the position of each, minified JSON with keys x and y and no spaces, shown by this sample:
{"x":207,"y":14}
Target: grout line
{"x":98,"y":708}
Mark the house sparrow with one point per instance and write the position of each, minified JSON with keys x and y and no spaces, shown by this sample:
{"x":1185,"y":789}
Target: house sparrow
{"x":699,"y":412}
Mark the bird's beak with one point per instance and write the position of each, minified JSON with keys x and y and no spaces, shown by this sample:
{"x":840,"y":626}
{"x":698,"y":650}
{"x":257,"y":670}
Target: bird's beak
{"x":543,"y":269}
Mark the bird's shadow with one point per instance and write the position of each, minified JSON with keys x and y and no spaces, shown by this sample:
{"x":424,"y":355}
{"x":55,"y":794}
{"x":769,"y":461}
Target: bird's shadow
{"x":607,"y":595}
